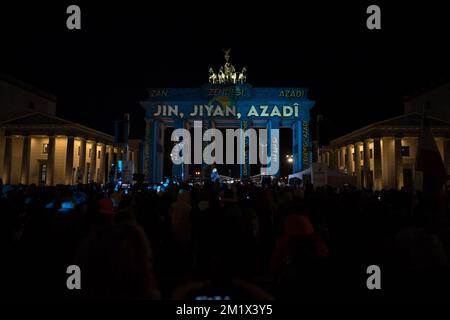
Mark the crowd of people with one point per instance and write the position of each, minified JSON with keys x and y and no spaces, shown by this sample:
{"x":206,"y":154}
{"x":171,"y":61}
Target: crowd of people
{"x":221,"y":242}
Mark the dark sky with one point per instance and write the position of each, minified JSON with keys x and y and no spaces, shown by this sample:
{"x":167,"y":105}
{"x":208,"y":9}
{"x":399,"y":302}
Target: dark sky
{"x":356,"y":76}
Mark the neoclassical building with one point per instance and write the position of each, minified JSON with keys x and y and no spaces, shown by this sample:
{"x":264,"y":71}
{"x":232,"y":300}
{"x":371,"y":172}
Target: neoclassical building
{"x":382,"y":155}
{"x":38,"y":147}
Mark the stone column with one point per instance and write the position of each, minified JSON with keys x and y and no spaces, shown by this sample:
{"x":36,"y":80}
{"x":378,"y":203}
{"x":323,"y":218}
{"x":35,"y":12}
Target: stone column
{"x":7,"y":160}
{"x":366,"y":165}
{"x":160,"y":129}
{"x":101,"y":177}
{"x":296,"y":146}
{"x":358,"y":165}
{"x":343,"y":162}
{"x":178,"y":169}
{"x":349,"y":164}
{"x":186,"y":165}
{"x":93,"y":160}
{"x":245,"y":165}
{"x":110,"y":160}
{"x":205,"y":168}
{"x":69,"y":161}
{"x":273,"y":148}
{"x":82,"y":162}
{"x":151,"y":150}
{"x":25,"y":170}
{"x":50,"y":161}
{"x":398,"y":163}
{"x":338,"y":158}
{"x":306,"y":145}
{"x":377,"y":168}
{"x":388,"y":163}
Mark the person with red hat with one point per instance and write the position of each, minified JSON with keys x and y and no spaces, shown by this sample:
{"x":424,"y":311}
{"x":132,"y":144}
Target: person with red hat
{"x":297,"y":228}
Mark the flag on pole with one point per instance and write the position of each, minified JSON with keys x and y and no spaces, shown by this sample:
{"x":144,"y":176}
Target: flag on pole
{"x":429,"y":160}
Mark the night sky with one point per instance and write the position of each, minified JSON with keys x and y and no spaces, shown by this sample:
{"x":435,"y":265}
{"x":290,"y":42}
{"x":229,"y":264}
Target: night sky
{"x":356,"y":76}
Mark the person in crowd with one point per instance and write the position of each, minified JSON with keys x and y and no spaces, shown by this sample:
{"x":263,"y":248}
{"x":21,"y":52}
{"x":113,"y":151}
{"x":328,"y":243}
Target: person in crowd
{"x":117,"y":263}
{"x":212,"y":239}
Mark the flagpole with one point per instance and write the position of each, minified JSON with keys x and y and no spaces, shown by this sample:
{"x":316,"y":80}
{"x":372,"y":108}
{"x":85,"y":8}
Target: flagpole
{"x":432,"y":170}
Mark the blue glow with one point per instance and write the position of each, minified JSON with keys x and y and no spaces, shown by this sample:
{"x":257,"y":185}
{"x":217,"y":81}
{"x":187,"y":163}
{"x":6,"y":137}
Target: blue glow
{"x":67,"y":205}
{"x":49,"y":205}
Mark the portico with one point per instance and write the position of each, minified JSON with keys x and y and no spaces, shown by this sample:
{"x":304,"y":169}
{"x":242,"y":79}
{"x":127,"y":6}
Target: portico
{"x":382,"y":155}
{"x":46,"y":150}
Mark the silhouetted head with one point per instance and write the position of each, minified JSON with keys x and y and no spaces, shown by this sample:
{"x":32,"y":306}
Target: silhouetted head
{"x":117,"y":263}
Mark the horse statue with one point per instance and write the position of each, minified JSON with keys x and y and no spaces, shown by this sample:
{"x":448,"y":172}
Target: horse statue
{"x":229,"y":70}
{"x":242,"y":76}
{"x":221,"y":76}
{"x":212,"y":76}
{"x":234,"y":77}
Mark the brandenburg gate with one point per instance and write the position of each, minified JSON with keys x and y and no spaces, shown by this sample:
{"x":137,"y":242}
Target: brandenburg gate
{"x":227,"y":101}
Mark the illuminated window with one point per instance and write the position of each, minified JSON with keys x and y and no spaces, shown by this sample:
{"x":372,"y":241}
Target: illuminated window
{"x":45,"y":148}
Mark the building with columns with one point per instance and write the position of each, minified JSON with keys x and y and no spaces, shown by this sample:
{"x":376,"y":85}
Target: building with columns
{"x":38,"y":147}
{"x":47,"y":150}
{"x":382,"y":155}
